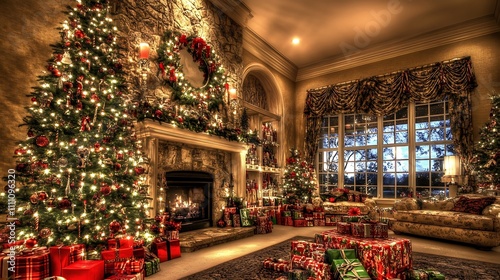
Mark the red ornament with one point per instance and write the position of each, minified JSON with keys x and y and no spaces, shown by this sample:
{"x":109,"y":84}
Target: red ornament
{"x":42,"y":196}
{"x":56,"y":72}
{"x":97,"y":147}
{"x":30,"y":133}
{"x":79,"y":34}
{"x":95,"y":97}
{"x":293,"y":174}
{"x":51,"y":203}
{"x":139,"y":170}
{"x":30,"y":243}
{"x":20,"y":151}
{"x":119,"y":156}
{"x":118,"y":166}
{"x":34,"y":198}
{"x":105,"y":189}
{"x":331,"y":199}
{"x":158,"y":113}
{"x":179,"y":119}
{"x":115,"y":226}
{"x":41,"y":141}
{"x":33,"y":99}
{"x":22,"y":167}
{"x":64,"y":204}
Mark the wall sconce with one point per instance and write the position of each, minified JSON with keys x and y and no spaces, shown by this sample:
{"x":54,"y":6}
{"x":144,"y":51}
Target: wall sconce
{"x":452,"y":174}
{"x":143,"y":62}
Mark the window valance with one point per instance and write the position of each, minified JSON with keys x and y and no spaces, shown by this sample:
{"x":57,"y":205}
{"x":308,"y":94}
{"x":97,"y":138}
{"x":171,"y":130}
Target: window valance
{"x":386,"y":94}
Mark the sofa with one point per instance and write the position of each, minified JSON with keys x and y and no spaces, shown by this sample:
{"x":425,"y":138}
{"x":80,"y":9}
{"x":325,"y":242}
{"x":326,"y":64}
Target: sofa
{"x":471,"y":219}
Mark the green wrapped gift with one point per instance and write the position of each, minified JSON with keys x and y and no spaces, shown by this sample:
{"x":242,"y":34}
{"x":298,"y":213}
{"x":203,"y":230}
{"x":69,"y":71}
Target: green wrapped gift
{"x":435,"y":275}
{"x":297,"y":215}
{"x":333,"y":254}
{"x":421,"y":274}
{"x":346,"y":269}
{"x":287,"y":213}
{"x":298,"y":274}
{"x":152,"y":266}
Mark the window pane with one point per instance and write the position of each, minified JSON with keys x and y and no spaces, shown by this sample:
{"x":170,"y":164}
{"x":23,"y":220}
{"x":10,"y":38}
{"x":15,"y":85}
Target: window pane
{"x":402,"y":166}
{"x":389,"y":166}
{"x":422,"y":165}
{"x":389,"y":153}
{"x":402,"y":152}
{"x":422,"y":136}
{"x":349,"y":179}
{"x":421,"y":110}
{"x":422,"y":152}
{"x":389,"y":192}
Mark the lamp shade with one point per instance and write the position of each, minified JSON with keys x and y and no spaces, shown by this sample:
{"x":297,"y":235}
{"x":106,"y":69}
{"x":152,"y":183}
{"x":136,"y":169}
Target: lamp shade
{"x":451,"y":166}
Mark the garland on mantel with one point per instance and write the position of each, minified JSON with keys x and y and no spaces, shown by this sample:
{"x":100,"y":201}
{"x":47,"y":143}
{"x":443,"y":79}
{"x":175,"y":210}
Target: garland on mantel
{"x":386,"y":94}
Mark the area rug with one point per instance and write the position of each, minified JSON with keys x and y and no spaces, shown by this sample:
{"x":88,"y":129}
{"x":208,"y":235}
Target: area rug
{"x":249,"y":267}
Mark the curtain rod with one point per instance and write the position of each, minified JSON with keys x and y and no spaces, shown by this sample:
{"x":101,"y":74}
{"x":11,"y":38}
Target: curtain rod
{"x":393,"y":73}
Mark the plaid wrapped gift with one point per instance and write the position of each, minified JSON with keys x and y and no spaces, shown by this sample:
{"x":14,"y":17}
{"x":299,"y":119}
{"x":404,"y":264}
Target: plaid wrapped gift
{"x":236,"y":220}
{"x":349,"y":269}
{"x":344,"y":228}
{"x":84,"y":270}
{"x":370,"y":230}
{"x":32,"y":266}
{"x":116,"y":259}
{"x":62,"y":256}
{"x":151,"y":266}
{"x":172,"y":234}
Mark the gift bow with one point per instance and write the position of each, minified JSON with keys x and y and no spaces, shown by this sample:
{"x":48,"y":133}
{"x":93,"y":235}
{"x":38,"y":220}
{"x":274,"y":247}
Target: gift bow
{"x":349,"y":266}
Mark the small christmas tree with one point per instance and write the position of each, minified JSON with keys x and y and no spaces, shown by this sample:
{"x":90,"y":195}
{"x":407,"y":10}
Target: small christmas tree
{"x":299,"y":181}
{"x":487,"y":152}
{"x":78,"y":172}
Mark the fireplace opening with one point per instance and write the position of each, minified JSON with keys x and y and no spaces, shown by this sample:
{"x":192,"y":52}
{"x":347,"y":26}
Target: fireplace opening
{"x":189,"y":198}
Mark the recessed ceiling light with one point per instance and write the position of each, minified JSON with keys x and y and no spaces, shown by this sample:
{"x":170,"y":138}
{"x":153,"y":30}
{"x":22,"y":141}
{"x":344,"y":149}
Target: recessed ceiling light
{"x":295,"y":41}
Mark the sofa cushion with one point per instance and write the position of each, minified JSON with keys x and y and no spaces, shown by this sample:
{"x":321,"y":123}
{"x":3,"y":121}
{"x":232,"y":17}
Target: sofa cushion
{"x":472,"y":205}
{"x":343,"y":207}
{"x":445,"y":205}
{"x":446,"y":219}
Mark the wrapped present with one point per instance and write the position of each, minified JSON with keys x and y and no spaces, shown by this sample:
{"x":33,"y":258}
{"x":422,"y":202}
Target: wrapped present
{"x":304,"y":248}
{"x":236,"y":220}
{"x":373,"y":230}
{"x":62,"y":256}
{"x":159,"y":248}
{"x":299,"y":223}
{"x":228,"y":219}
{"x":309,"y":222}
{"x":330,"y":220}
{"x":318,"y":215}
{"x":276,"y":264}
{"x":298,"y":274}
{"x":286,"y":213}
{"x":349,"y":269}
{"x":171,"y":234}
{"x":319,"y":254}
{"x":135,"y":276}
{"x":320,"y":271}
{"x":139,"y":253}
{"x":381,"y":230}
{"x":173,"y":249}
{"x":302,"y":262}
{"x":334,"y":254}
{"x":32,"y":265}
{"x":319,"y":222}
{"x":287,"y":221}
{"x":351,"y":219}
{"x":297,"y":215}
{"x":246,"y":221}
{"x":84,"y":270}
{"x":151,"y":266}
{"x":262,"y":225}
{"x":344,"y":228}
{"x":420,"y":274}
{"x":117,"y":243}
{"x":116,"y":259}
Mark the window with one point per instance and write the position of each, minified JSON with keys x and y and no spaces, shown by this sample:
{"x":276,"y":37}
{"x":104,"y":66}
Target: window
{"x":393,"y":156}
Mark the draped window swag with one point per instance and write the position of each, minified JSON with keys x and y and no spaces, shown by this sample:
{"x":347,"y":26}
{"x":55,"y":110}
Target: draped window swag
{"x":386,"y":94}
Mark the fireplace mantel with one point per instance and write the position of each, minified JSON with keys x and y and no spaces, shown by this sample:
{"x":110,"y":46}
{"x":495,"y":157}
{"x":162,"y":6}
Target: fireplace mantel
{"x":153,"y":133}
{"x":168,"y":132}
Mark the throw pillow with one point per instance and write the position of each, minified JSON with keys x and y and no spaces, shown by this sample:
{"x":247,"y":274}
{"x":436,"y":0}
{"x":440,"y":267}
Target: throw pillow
{"x":472,"y":205}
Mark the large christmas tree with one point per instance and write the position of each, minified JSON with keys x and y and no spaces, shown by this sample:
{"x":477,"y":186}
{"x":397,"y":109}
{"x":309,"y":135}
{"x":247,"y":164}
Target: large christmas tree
{"x":78,"y":172}
{"x":299,"y":181}
{"x":487,"y":152}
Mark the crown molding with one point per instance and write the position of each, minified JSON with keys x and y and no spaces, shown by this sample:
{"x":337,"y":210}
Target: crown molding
{"x":464,"y":31}
{"x":235,"y":9}
{"x":255,"y":45}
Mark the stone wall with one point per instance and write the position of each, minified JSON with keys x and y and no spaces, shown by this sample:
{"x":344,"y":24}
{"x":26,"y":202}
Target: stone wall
{"x":181,"y":157}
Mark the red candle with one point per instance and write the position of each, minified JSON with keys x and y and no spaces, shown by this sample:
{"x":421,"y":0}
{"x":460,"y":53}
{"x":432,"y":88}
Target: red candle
{"x":143,"y":50}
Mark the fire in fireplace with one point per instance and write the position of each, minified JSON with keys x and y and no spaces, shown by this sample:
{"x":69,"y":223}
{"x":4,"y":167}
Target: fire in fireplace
{"x":189,"y":199}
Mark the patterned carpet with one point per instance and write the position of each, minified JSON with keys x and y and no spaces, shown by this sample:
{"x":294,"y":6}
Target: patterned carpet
{"x":250,"y":267}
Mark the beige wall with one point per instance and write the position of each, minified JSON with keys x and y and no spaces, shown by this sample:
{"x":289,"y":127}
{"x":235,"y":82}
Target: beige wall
{"x":484,"y":52}
{"x":27,"y":29}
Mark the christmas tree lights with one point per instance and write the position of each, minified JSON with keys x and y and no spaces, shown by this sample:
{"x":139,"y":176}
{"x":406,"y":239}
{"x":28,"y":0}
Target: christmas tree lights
{"x":80,"y":171}
{"x":487,"y":150}
{"x":299,"y":181}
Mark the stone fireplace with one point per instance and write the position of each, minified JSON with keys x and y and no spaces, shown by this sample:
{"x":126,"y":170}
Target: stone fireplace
{"x":176,"y":156}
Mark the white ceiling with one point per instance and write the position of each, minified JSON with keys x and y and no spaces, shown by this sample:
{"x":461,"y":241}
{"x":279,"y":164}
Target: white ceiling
{"x":325,"y":27}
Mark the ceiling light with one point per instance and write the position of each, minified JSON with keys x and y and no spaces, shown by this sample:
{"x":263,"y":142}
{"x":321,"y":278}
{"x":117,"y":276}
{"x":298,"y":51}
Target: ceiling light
{"x":295,"y":41}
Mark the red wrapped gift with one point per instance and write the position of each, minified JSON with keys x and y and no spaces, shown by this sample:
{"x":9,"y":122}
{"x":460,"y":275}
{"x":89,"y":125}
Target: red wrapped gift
{"x":136,"y":276}
{"x":276,"y":264}
{"x":302,"y":262}
{"x":117,"y":243}
{"x":304,"y":248}
{"x":171,"y":234}
{"x":4,"y":267}
{"x":236,"y":220}
{"x":344,"y":228}
{"x":309,"y":222}
{"x":115,"y":259}
{"x":287,"y":220}
{"x":84,"y":270}
{"x":139,"y":253}
{"x":299,"y":223}
{"x":173,"y":249}
{"x":62,"y":256}
{"x":32,"y":266}
{"x":159,"y":248}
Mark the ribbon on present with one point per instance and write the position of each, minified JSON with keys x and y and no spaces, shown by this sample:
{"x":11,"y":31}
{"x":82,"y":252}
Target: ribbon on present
{"x":348,"y":269}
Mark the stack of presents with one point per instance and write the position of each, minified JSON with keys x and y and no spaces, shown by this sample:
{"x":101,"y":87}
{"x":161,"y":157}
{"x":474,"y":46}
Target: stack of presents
{"x":262,"y":218}
{"x":123,"y":259}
